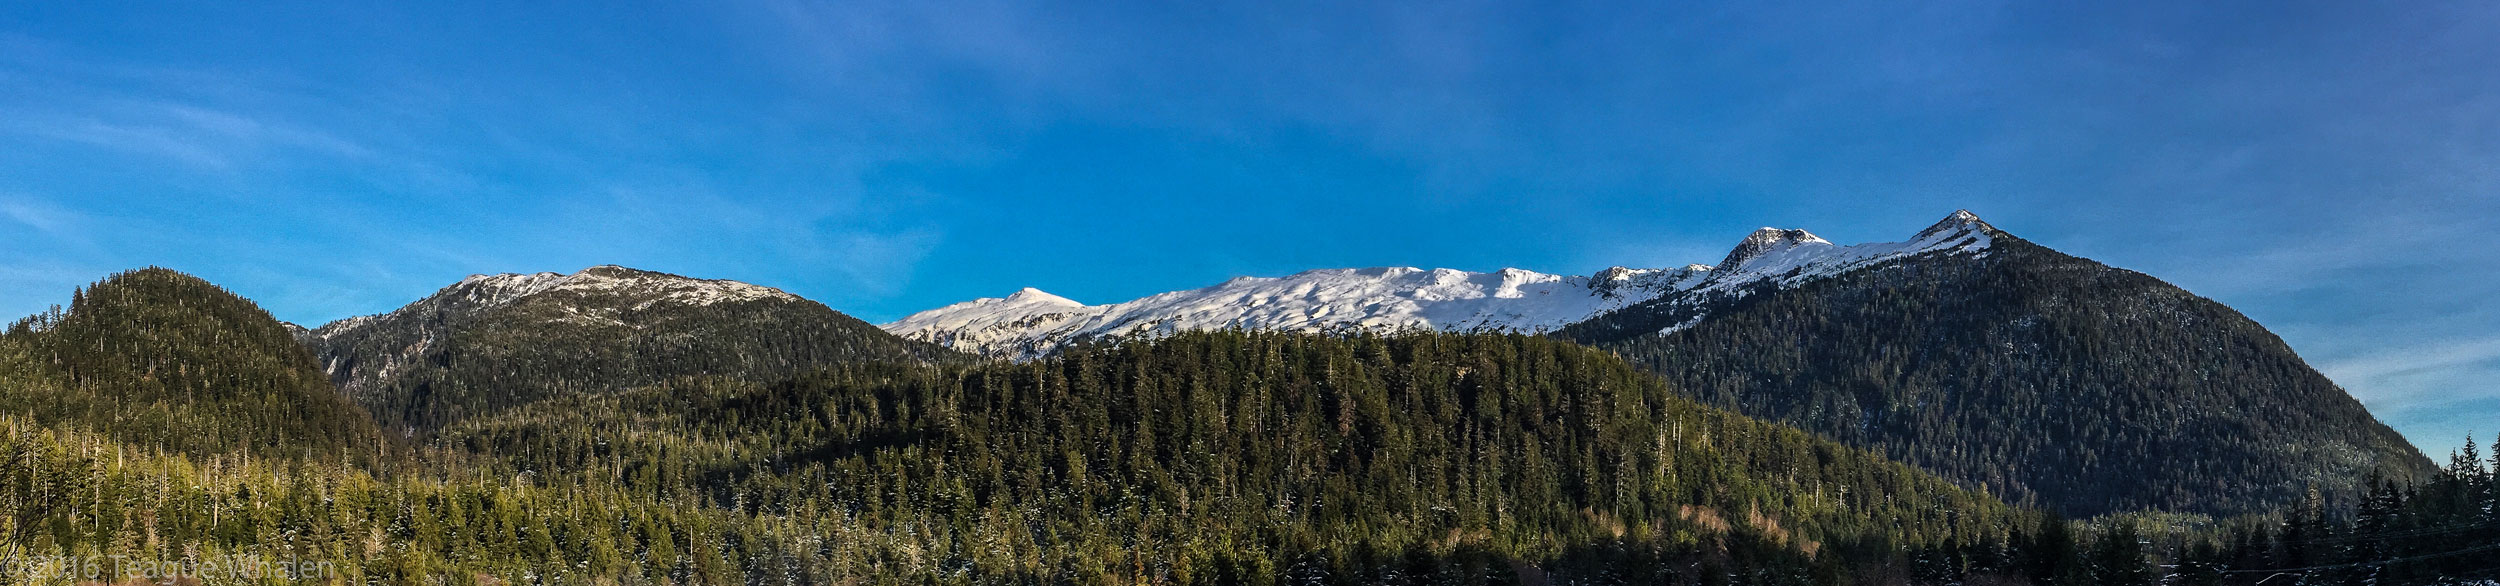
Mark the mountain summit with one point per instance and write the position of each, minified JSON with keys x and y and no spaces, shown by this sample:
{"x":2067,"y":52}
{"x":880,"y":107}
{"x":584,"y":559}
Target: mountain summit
{"x":646,"y":286}
{"x":1959,"y":222}
{"x":1768,"y":240}
{"x":494,"y":341}
{"x":165,"y":360}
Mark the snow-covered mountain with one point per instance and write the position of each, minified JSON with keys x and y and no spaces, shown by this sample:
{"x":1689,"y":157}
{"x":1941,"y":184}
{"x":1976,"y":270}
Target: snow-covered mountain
{"x":1031,"y":323}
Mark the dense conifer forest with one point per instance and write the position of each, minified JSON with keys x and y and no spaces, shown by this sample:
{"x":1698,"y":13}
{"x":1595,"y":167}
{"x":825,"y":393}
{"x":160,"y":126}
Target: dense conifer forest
{"x":1207,"y":458}
{"x":161,"y":360}
{"x":1258,"y":454}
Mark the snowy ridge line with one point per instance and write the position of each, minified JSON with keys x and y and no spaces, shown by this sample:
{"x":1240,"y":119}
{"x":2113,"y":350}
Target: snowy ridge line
{"x":1031,"y":323}
{"x":486,"y":292}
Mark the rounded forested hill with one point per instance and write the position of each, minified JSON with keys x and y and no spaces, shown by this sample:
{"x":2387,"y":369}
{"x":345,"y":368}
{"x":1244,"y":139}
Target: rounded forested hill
{"x":493,"y":342}
{"x":166,"y":360}
{"x":2043,"y":377}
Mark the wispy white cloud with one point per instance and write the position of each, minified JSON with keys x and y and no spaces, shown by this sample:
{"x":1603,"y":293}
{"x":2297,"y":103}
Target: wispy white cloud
{"x":200,"y":136}
{"x":41,"y":229}
{"x":44,"y":217}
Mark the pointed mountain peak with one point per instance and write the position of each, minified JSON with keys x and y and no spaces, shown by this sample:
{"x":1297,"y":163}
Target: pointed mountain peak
{"x":1032,"y":296}
{"x":1960,"y":221}
{"x":1769,"y":240}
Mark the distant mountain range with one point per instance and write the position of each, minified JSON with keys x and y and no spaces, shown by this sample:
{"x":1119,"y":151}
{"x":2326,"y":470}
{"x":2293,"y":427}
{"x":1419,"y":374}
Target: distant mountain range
{"x":1031,"y":323}
{"x":2042,"y":377}
{"x":1798,"y":404}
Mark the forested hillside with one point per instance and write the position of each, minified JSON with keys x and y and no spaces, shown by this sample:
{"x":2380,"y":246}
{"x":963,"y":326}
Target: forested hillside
{"x":1210,"y":458}
{"x":164,"y":360}
{"x":2043,"y":377}
{"x":1205,"y":458}
{"x":493,"y":342}
{"x":1237,"y":455}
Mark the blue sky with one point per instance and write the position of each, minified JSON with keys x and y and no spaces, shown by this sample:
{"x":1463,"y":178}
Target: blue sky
{"x":2329,"y":168}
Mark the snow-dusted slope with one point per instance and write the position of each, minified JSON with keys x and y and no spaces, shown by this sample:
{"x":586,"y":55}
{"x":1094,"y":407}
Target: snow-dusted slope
{"x":495,"y":341}
{"x":597,"y":296}
{"x":619,"y":288}
{"x":1794,"y":257}
{"x":1032,"y":323}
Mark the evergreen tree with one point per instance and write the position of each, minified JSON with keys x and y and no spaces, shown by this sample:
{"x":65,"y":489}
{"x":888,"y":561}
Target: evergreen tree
{"x":2118,"y":557}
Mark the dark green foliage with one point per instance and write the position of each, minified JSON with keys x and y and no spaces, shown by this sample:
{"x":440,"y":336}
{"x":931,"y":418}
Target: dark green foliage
{"x":2119,"y":558}
{"x":1281,"y":451}
{"x":164,"y":360}
{"x":2441,"y":530}
{"x":1204,"y":459}
{"x":72,"y":494}
{"x":1216,"y":458}
{"x":2042,"y":377}
{"x":461,"y":353}
{"x":2056,"y":556}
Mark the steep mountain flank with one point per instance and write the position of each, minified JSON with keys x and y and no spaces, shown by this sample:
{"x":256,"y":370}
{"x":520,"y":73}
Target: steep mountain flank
{"x":2043,"y":377}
